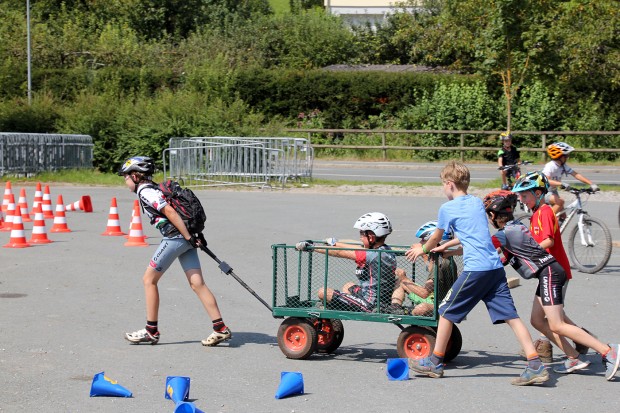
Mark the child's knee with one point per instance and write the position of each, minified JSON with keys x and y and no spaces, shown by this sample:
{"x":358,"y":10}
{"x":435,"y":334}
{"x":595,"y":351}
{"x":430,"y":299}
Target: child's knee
{"x":322,"y":293}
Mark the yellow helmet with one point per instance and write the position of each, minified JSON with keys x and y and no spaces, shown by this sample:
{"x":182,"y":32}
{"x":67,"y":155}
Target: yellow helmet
{"x":505,"y":135}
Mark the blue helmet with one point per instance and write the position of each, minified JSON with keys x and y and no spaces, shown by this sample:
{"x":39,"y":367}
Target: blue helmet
{"x":532,"y":181}
{"x":428,"y":228}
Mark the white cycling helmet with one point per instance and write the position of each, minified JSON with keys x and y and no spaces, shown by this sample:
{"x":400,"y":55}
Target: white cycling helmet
{"x":428,"y":228}
{"x":376,"y":222}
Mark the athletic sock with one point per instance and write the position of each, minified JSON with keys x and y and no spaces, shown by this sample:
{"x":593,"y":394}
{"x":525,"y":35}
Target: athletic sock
{"x":151,"y":327}
{"x":605,"y":353}
{"x":218,"y":325}
{"x":437,"y":358}
{"x":534,"y":362}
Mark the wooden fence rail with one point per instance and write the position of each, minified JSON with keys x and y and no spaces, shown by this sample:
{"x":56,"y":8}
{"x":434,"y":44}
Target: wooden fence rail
{"x":384,"y":147}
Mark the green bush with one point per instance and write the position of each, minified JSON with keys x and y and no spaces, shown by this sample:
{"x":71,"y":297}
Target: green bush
{"x":454,"y":106}
{"x":39,"y":117}
{"x":345,"y":99}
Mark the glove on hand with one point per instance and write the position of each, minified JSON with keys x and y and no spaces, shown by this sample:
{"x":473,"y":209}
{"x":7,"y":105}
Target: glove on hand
{"x":331,"y":241}
{"x":565,"y":187}
{"x":303,"y":245}
{"x":594,"y":187}
{"x":194,"y":242}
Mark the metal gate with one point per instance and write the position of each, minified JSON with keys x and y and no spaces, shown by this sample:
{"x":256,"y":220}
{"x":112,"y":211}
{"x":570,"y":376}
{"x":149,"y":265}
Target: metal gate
{"x":252,"y":161}
{"x":30,"y":153}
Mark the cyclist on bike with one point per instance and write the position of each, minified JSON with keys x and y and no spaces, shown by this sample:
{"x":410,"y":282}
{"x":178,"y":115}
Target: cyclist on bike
{"x":507,"y":155}
{"x":554,"y":169}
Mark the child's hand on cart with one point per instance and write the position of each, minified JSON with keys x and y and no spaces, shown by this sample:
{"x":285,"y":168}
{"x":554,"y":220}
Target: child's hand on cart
{"x":304,"y":245}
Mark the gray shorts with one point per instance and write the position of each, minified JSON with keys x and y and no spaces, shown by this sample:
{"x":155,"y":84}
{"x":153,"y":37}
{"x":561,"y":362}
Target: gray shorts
{"x":551,"y":192}
{"x":172,"y":248}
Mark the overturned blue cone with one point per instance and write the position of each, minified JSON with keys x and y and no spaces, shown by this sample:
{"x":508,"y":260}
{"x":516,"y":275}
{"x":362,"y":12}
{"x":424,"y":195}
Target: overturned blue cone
{"x":187,"y":407}
{"x":398,"y":369}
{"x":104,"y":386}
{"x":177,"y":388}
{"x":290,"y":383}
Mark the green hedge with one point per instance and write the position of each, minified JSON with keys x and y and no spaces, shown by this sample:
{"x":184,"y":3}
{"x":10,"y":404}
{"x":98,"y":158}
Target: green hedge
{"x":344,"y":98}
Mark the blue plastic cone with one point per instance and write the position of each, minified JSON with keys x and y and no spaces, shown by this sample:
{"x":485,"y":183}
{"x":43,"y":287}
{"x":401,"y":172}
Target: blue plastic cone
{"x":105,"y":386}
{"x":187,"y":407}
{"x":177,"y":388}
{"x":290,"y":383}
{"x":398,"y":369}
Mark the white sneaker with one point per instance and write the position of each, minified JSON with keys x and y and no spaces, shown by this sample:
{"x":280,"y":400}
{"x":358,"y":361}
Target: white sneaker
{"x":217,"y":337}
{"x":571,"y":365}
{"x":142,"y":336}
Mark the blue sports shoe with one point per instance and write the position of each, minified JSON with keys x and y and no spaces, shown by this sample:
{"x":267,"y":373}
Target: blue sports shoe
{"x":531,"y":376}
{"x":611,"y":361}
{"x":426,"y":366}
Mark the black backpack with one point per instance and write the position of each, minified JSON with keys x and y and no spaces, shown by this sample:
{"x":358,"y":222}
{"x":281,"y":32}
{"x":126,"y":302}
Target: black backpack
{"x":185,"y":203}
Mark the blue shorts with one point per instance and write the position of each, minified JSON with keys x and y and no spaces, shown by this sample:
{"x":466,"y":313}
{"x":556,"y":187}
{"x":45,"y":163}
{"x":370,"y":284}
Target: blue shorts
{"x":471,"y":287}
{"x":172,"y":248}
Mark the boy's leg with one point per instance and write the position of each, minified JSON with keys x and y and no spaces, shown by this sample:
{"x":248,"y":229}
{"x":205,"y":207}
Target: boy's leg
{"x":151,"y":293}
{"x":535,"y":372}
{"x":150,"y":334}
{"x":433,"y":366}
{"x":193,"y":272}
{"x":206,"y":297}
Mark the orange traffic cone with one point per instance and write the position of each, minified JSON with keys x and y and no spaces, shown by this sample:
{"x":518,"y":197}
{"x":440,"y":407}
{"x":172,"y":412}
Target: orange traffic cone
{"x":39,"y":233}
{"x":133,"y":211}
{"x":136,"y":207}
{"x":47,"y":204}
{"x":10,"y":215}
{"x":82,"y":204}
{"x":60,"y":219}
{"x":38,"y":197}
{"x":114,"y":227}
{"x":18,"y":238}
{"x":136,"y":237}
{"x":23,"y":206}
{"x":8,"y":190}
{"x":1,"y":220}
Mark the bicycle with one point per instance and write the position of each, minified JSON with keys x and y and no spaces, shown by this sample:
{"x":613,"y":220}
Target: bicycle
{"x":589,"y":242}
{"x":513,"y":173}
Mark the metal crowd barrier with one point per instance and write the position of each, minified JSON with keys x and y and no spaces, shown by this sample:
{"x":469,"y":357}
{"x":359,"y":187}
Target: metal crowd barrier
{"x":252,"y":161}
{"x":30,"y":153}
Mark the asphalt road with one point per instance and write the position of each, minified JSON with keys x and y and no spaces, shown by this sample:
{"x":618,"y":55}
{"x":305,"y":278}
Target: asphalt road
{"x":65,"y":306}
{"x":429,"y":172}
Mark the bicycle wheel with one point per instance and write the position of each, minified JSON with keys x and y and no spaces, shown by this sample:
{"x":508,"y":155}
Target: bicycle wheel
{"x":590,"y":258}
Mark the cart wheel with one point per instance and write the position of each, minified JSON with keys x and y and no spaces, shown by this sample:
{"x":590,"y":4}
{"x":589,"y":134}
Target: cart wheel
{"x":297,"y":338}
{"x":330,"y":334}
{"x":415,"y":342}
{"x":454,"y":345}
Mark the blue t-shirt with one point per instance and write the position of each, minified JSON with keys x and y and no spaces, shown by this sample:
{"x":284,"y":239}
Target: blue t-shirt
{"x":465,"y":214}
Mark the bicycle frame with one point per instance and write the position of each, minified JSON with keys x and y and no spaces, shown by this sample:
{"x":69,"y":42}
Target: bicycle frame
{"x":576,"y":207}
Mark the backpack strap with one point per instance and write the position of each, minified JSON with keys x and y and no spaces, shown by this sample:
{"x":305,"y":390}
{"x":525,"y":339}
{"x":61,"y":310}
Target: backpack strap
{"x":147,"y":207}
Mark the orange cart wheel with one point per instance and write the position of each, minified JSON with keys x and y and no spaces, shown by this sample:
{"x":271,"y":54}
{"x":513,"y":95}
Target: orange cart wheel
{"x":415,"y":342}
{"x":297,"y":338}
{"x":330,"y":333}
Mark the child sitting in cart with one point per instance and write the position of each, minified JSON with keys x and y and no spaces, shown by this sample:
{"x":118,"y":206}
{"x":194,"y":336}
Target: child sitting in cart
{"x":374,"y":270}
{"x":423,"y":296}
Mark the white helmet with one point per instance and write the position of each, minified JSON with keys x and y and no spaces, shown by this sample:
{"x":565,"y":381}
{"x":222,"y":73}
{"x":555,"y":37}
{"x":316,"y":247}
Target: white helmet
{"x":376,"y":222}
